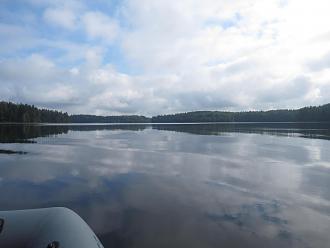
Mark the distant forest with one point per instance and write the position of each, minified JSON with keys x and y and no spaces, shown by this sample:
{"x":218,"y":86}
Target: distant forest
{"x":11,"y":112}
{"x":320,"y":113}
{"x":109,"y":119}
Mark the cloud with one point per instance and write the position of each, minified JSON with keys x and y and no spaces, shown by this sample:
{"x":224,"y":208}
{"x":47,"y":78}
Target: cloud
{"x":100,"y":26}
{"x":33,"y":68}
{"x":320,"y":63}
{"x":64,"y":18}
{"x":151,"y":57}
{"x":286,"y":91}
{"x":15,"y":38}
{"x":38,"y":81}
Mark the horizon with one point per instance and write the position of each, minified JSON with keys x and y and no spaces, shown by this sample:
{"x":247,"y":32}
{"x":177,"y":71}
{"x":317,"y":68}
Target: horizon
{"x":153,"y":58}
{"x":155,"y":115}
{"x":238,"y":111}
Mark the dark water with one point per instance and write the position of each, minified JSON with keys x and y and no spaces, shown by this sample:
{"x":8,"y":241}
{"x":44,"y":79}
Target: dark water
{"x":217,"y":185}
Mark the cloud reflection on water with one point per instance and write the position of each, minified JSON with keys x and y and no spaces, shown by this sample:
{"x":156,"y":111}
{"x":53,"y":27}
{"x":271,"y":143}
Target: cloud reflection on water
{"x":159,"y":188}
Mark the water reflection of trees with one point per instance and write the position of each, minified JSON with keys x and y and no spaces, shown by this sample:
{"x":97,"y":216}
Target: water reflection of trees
{"x":17,"y":133}
{"x":308,"y":130}
{"x":113,"y":127}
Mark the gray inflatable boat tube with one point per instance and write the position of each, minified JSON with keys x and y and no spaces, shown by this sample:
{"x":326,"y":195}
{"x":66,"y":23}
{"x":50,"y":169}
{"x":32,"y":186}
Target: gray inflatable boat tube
{"x":45,"y":228}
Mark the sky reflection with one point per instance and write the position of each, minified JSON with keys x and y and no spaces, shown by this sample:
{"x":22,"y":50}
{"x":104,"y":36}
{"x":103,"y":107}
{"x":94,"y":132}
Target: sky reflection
{"x":163,"y":187}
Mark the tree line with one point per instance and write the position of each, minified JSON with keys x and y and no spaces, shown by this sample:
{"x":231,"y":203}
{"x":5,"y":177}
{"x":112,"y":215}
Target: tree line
{"x":109,"y":119}
{"x":11,"y":112}
{"x":319,"y":113}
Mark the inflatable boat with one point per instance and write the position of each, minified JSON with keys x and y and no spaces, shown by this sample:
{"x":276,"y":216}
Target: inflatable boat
{"x":45,"y":228}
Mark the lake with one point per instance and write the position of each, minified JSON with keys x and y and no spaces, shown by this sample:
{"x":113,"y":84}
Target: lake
{"x":176,"y":185}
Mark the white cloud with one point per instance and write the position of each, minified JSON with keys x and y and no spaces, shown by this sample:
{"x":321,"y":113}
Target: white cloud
{"x":38,"y":80}
{"x":100,"y":26}
{"x":25,"y":71}
{"x":64,"y":18}
{"x":244,"y":50}
{"x":320,"y":63}
{"x":186,"y":55}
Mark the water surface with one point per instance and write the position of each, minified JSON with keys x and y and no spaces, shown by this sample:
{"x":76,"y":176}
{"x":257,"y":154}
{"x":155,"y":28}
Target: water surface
{"x":187,"y":185}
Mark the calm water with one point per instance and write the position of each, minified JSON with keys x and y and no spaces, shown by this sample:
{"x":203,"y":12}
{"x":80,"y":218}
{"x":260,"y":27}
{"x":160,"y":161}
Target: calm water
{"x":216,"y":185}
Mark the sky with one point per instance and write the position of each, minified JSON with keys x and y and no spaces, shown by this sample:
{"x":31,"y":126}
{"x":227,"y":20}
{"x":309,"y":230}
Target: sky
{"x":157,"y":56}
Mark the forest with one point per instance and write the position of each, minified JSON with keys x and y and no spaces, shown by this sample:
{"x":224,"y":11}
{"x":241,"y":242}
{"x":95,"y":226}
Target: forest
{"x":24,"y":113}
{"x":306,"y":114}
{"x":109,"y":119}
{"x":11,"y":112}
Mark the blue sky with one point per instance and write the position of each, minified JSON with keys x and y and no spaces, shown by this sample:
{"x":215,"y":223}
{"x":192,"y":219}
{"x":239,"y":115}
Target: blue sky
{"x":154,"y":57}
